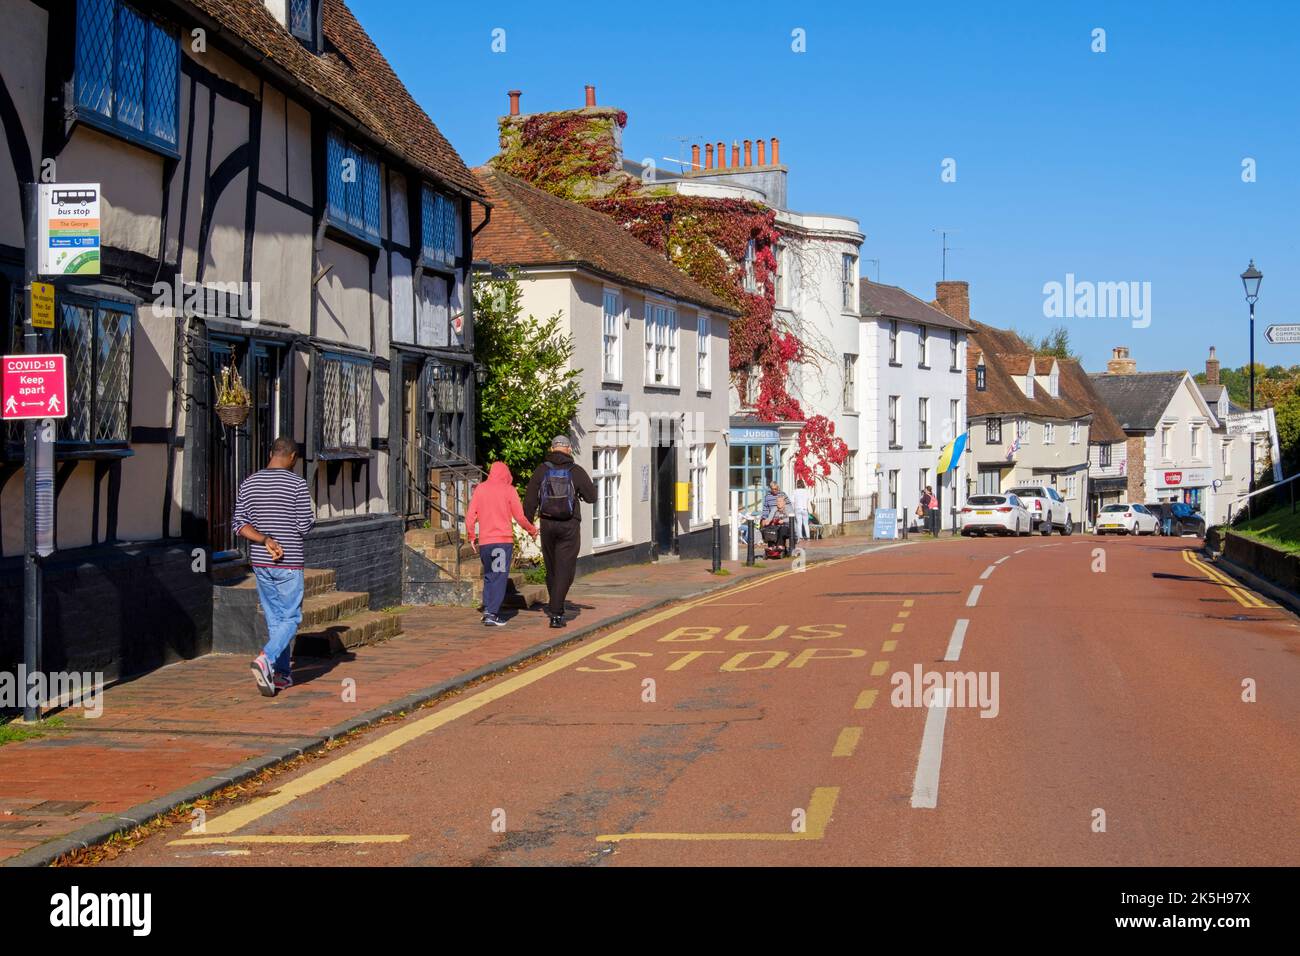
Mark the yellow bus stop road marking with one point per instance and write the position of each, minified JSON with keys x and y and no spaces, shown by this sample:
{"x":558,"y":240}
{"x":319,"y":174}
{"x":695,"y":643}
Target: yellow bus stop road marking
{"x":328,"y":772}
{"x":311,"y":838}
{"x":847,"y":742}
{"x":1243,"y":596}
{"x":865,"y":700}
{"x":820,"y":807}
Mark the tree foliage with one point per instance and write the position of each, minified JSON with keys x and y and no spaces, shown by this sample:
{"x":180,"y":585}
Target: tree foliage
{"x":1055,"y":343}
{"x":531,"y":393}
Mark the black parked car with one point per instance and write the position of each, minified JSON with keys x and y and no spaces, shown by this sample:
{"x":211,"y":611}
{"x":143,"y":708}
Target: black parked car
{"x":1177,"y":518}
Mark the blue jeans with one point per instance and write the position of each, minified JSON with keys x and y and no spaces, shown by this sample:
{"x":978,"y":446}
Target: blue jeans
{"x":280,"y":591}
{"x":496,"y":574}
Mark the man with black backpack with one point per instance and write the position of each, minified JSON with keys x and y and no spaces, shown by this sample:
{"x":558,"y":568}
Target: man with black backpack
{"x":555,"y":490}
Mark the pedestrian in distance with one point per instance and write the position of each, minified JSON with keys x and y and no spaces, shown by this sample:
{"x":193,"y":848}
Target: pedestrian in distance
{"x":777,"y":523}
{"x":769,"y":498}
{"x":489,"y":524}
{"x":802,"y":505}
{"x":555,"y":489}
{"x":273,"y":511}
{"x":929,"y":511}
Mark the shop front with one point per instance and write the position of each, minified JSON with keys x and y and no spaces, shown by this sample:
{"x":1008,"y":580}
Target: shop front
{"x":755,"y":461}
{"x":1187,"y":485}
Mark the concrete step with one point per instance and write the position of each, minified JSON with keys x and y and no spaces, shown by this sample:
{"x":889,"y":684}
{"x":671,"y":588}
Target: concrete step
{"x":445,"y":557}
{"x":320,"y":609}
{"x":421,"y":538}
{"x":355,"y":630}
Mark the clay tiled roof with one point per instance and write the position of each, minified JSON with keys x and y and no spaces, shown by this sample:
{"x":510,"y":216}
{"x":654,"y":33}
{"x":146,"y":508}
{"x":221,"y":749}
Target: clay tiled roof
{"x":351,"y":75}
{"x":1077,"y":386}
{"x":1004,"y":352}
{"x":891,"y":302}
{"x":531,"y":227}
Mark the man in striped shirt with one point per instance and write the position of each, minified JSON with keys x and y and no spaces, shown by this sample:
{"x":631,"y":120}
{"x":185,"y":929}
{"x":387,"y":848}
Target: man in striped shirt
{"x":273,"y":510}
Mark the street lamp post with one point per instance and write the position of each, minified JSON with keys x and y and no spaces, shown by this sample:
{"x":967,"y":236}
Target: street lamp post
{"x":1251,"y":279}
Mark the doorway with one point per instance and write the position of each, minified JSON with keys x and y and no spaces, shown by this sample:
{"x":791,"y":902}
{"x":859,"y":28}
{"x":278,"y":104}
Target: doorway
{"x":235,"y":452}
{"x":665,"y":513}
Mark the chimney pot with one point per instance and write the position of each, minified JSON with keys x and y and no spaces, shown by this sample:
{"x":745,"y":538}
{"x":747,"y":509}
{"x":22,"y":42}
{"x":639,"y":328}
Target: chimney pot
{"x":514,"y":101}
{"x":1212,"y":368}
{"x":776,"y":151}
{"x":695,"y":156}
{"x":749,"y":153}
{"x":591,"y":95}
{"x":722,"y":155}
{"x":735,"y":153}
{"x":1120,"y":363}
{"x":708,"y":155}
{"x":953,"y":298}
{"x":762,"y":153}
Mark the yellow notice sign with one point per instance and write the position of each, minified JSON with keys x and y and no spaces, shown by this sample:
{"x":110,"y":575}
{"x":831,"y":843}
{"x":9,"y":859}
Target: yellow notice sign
{"x":42,"y":305}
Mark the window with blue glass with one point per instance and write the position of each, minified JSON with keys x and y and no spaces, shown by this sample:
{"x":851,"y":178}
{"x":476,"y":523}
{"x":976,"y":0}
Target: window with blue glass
{"x":127,"y":72}
{"x":352,"y":187}
{"x":439,"y":228}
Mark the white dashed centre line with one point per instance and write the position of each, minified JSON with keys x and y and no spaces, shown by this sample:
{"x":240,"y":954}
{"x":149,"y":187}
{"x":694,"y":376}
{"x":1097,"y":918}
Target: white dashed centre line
{"x":1003,"y":558}
{"x":987,"y":571}
{"x":974,"y":595}
{"x":955,"y":642}
{"x":925,"y":786}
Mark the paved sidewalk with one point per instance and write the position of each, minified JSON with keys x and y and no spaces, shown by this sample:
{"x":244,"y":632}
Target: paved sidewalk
{"x":192,"y":728}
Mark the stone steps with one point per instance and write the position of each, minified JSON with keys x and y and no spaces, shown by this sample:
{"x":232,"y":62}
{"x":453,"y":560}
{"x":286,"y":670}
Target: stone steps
{"x":355,"y":630}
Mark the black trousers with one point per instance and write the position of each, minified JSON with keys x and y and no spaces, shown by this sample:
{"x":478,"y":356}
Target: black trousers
{"x":560,"y":543}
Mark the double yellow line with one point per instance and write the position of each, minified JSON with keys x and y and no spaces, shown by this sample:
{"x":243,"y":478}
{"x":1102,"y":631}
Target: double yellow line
{"x":1243,"y":596}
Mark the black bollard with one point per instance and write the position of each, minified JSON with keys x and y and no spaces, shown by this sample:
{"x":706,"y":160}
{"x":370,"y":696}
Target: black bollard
{"x":794,"y":530}
{"x":749,"y":549}
{"x":717,"y":545}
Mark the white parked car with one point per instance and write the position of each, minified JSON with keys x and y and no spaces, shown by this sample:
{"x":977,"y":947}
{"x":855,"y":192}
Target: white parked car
{"x":1127,"y":519}
{"x":995,"y":514}
{"x":1047,"y":509}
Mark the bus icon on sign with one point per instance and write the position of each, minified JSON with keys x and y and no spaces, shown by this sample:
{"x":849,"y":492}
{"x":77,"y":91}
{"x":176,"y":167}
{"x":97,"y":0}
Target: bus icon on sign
{"x":70,"y":197}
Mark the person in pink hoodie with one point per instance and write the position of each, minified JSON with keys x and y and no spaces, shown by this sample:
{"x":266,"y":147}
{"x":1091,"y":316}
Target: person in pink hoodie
{"x":492,"y":508}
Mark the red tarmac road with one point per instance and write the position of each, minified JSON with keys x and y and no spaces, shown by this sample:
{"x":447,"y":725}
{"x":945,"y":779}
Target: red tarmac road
{"x":763,"y":726}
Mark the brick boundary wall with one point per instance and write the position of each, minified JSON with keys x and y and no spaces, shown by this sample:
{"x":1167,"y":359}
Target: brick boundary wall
{"x":365,"y":553}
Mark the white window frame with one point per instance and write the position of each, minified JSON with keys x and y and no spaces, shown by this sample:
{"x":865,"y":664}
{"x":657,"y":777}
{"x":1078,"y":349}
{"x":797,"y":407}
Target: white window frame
{"x":605,"y":510}
{"x":849,"y":281}
{"x":1226,"y":456}
{"x":1166,"y":441}
{"x":954,"y":351}
{"x":661,"y":361}
{"x":1049,"y":433}
{"x":780,"y":279}
{"x":751,"y":282}
{"x":895,"y":421}
{"x":954,"y":418}
{"x":698,"y":461}
{"x":850,"y":382}
{"x":611,"y":352}
{"x":1054,"y":383}
{"x":703,"y":354}
{"x":922,"y":421}
{"x":893,"y":342}
{"x":1076,"y":432}
{"x":892,"y":490}
{"x":923,"y":346}
{"x":1195,"y":439}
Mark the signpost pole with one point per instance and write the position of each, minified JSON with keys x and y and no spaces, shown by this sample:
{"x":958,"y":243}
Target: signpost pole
{"x":31,"y":565}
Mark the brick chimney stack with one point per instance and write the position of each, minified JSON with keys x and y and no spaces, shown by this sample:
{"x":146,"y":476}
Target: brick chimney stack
{"x":1212,"y":368}
{"x":514,"y":101}
{"x":591,"y":95}
{"x":953,"y":298}
{"x":1120,"y":363}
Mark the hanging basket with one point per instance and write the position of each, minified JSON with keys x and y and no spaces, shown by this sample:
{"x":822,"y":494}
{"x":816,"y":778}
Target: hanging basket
{"x":233,"y":415}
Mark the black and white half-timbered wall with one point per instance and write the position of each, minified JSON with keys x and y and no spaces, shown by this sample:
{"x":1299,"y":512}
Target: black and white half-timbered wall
{"x":272,"y":199}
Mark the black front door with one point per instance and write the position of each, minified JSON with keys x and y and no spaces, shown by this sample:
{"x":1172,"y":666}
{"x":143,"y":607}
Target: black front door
{"x":235,"y":452}
{"x":665,"y":516}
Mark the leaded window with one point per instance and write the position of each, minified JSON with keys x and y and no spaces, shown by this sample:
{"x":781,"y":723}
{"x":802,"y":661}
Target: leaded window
{"x":127,"y":73}
{"x":96,"y":338}
{"x":439,"y":228}
{"x":345,"y":426}
{"x":302,"y":20}
{"x":352,"y":187}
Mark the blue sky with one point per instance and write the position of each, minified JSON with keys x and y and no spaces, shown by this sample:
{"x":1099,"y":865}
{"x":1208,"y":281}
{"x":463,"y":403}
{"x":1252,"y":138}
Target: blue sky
{"x":1117,"y":166}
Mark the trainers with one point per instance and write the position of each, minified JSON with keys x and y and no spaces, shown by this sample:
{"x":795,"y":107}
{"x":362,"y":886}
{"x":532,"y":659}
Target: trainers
{"x":557,"y":620}
{"x":283,"y":681}
{"x":491,"y":620}
{"x":263,"y":675}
